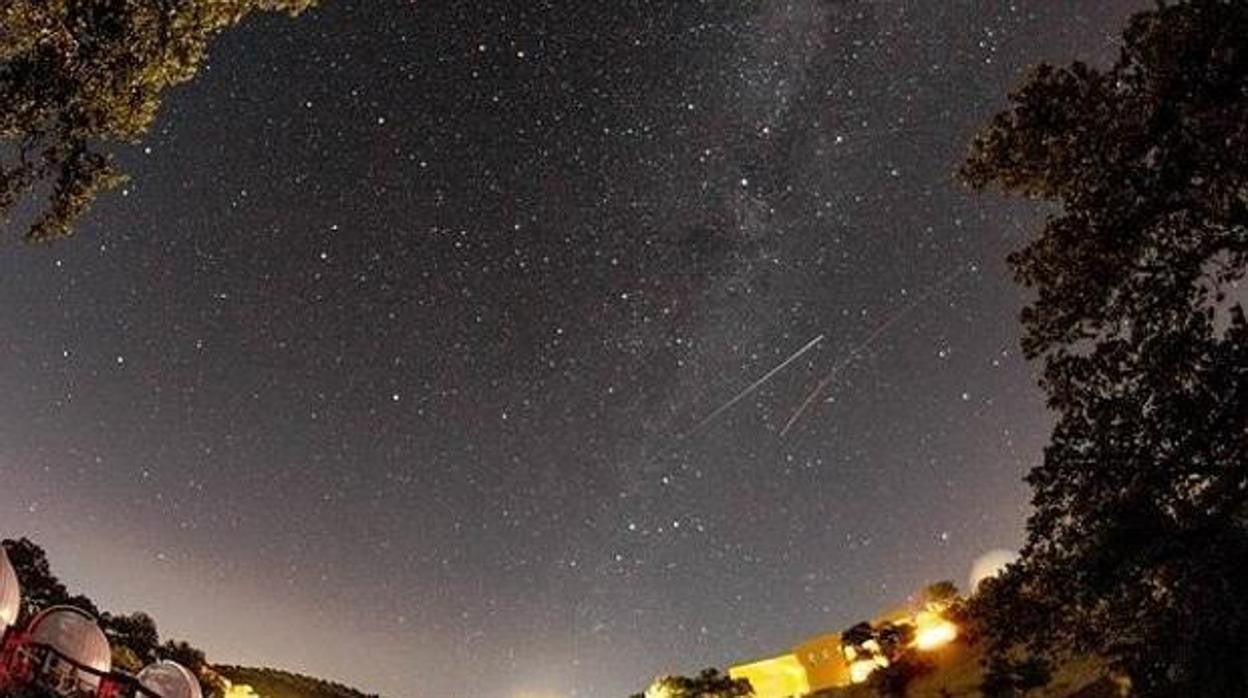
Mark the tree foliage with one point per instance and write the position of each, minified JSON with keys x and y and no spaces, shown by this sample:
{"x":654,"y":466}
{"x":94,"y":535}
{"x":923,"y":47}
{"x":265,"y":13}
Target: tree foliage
{"x":1007,"y":676}
{"x":890,"y":646}
{"x":1140,"y":529}
{"x":710,"y":683}
{"x":136,"y":641}
{"x":274,"y":683}
{"x":40,"y":587}
{"x":133,"y":637}
{"x":78,"y":75}
{"x":887,"y":639}
{"x":183,"y":653}
{"x":943,"y":594}
{"x":893,"y":681}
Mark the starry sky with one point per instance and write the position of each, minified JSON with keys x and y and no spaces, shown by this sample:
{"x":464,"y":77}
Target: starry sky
{"x":393,"y":361}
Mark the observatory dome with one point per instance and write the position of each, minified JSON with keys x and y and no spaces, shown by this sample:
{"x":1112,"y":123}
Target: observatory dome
{"x":75,"y":635}
{"x":10,"y":593}
{"x":170,"y":680}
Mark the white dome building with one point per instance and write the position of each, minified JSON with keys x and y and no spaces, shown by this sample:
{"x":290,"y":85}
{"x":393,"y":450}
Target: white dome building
{"x":70,"y":652}
{"x":10,"y":594}
{"x":989,"y":565}
{"x":170,"y":680}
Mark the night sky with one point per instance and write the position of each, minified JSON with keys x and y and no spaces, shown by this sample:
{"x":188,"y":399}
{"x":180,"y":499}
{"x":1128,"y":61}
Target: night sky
{"x":392,"y":362}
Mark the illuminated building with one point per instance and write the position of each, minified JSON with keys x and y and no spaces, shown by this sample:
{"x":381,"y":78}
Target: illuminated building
{"x":815,"y":665}
{"x":775,"y":677}
{"x":823,"y":662}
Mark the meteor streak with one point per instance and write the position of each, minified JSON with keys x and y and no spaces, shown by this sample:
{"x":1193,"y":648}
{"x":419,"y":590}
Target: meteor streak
{"x":754,"y":386}
{"x":865,"y":344}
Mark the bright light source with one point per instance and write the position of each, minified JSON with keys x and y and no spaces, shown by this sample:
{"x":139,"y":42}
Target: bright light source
{"x":660,"y":689}
{"x":860,"y":670}
{"x":932,"y":631}
{"x":240,"y":690}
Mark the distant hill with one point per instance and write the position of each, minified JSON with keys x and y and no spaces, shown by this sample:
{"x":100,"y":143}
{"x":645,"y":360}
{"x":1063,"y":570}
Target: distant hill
{"x":956,"y":673}
{"x":275,"y":683}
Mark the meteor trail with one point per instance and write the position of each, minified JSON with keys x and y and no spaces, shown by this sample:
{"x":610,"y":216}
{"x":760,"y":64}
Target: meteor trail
{"x":866,"y":343}
{"x":754,"y":386}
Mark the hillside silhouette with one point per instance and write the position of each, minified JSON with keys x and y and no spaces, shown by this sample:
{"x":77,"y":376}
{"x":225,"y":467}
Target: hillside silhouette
{"x":276,"y":683}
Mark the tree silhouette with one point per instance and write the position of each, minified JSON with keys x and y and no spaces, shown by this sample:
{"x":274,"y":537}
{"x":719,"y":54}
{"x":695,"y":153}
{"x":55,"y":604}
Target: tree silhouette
{"x":136,"y":633}
{"x":136,"y":642}
{"x":194,"y":659}
{"x":1140,"y":530}
{"x":76,"y":75}
{"x":710,"y":683}
{"x":40,"y":588}
{"x":943,"y":593}
{"x":275,"y":683}
{"x":134,"y":638}
{"x":858,"y":635}
{"x":183,"y":653}
{"x":890,"y":646}
{"x":1008,"y":676}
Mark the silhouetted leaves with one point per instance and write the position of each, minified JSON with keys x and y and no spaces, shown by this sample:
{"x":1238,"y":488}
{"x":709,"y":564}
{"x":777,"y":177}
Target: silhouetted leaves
{"x":40,"y":588}
{"x":1138,"y":536}
{"x":710,"y":683}
{"x":136,"y":634}
{"x":1009,"y":677}
{"x":943,"y":593}
{"x":890,"y":646}
{"x":273,"y":683}
{"x":78,"y":75}
{"x":136,"y":641}
{"x":134,"y":637}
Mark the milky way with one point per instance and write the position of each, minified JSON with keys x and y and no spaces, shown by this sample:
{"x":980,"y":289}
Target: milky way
{"x":384,"y":366}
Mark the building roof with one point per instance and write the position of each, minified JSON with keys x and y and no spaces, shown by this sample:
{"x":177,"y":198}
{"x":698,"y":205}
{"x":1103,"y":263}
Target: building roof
{"x":170,"y":680}
{"x":75,"y":635}
{"x":10,"y":593}
{"x":775,"y":677}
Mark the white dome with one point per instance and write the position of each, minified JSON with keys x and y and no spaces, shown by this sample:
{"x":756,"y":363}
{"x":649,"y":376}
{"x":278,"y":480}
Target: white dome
{"x":75,"y":634}
{"x":990,"y":564}
{"x":170,"y":680}
{"x":10,"y":593}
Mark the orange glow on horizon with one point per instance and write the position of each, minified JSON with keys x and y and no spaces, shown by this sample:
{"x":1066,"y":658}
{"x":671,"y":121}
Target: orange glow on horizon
{"x":240,"y":690}
{"x":933,"y":631}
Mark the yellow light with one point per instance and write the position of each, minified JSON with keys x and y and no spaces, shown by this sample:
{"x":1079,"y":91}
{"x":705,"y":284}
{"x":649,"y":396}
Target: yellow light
{"x":861,"y":670}
{"x":240,"y":690}
{"x":775,"y":677}
{"x":932,"y":631}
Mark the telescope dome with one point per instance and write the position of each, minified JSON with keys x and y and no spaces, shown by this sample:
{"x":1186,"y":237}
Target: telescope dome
{"x":75,"y":635}
{"x":170,"y":680}
{"x":10,"y":593}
